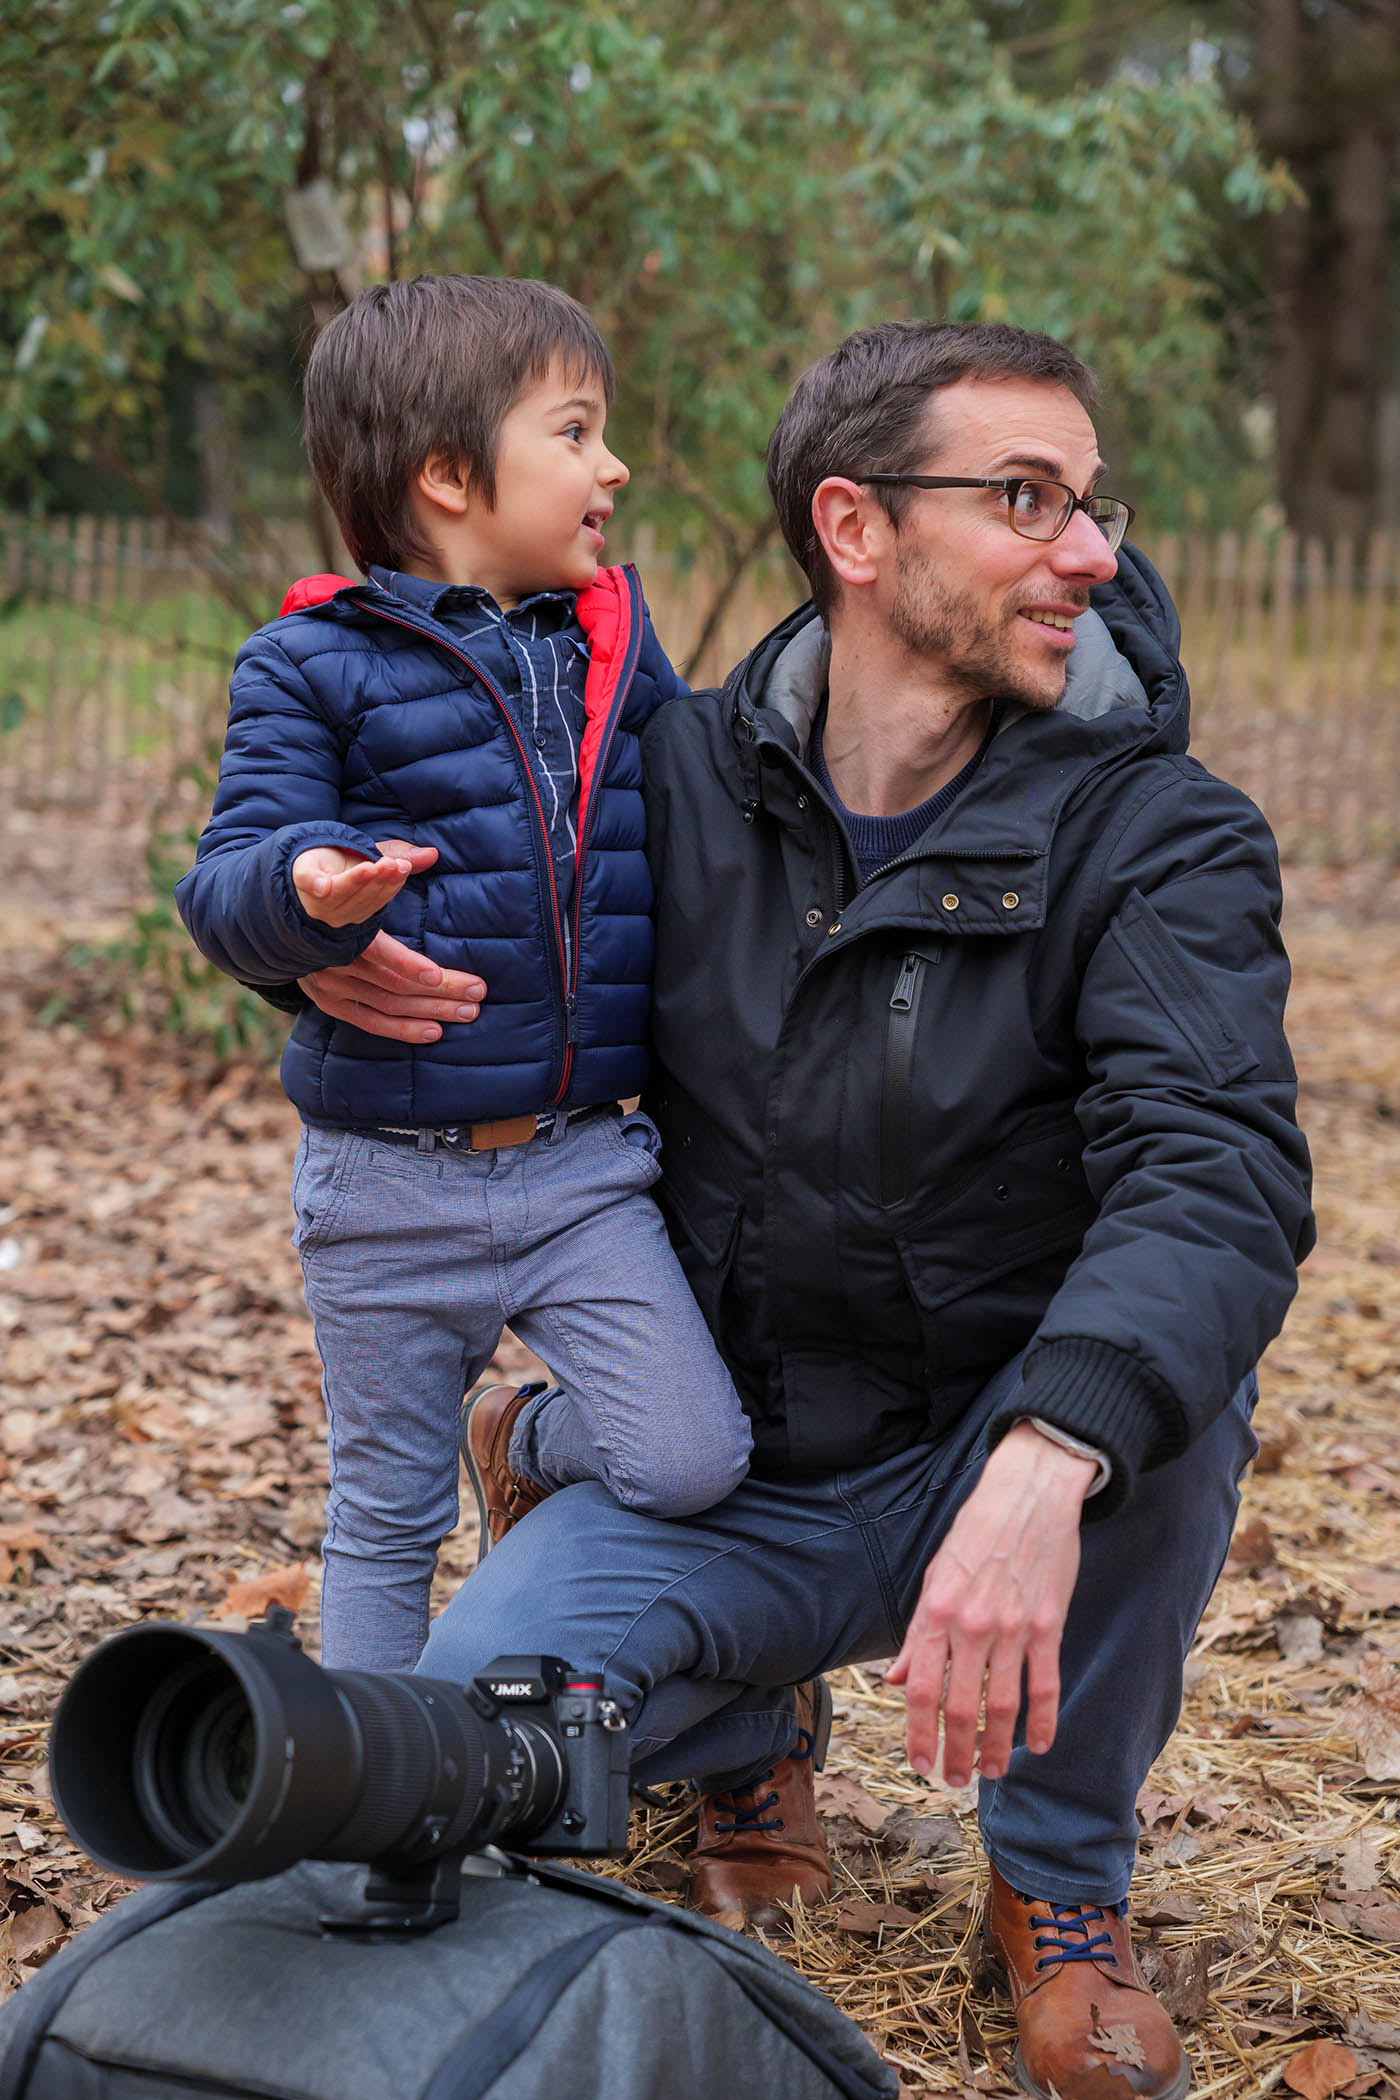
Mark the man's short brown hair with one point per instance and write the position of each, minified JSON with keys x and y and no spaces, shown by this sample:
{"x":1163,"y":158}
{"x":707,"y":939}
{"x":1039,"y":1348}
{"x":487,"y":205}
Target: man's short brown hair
{"x":862,"y":409}
{"x":430,"y":365}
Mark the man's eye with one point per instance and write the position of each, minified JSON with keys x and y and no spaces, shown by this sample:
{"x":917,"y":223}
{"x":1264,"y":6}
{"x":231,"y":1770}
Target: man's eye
{"x":1030,"y":500}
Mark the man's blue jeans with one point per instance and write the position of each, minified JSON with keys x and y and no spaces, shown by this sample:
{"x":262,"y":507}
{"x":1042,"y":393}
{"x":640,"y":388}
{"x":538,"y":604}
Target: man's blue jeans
{"x":701,"y":1626}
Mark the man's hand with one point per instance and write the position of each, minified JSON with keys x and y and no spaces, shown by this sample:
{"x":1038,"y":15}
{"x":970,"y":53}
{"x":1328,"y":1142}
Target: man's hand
{"x":391,"y":990}
{"x":342,"y":888}
{"x":994,"y":1602}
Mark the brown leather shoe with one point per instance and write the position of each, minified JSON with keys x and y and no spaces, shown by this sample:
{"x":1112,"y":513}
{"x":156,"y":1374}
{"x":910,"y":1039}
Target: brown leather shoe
{"x":758,"y":1846}
{"x":503,"y":1496}
{"x":1090,"y":2029}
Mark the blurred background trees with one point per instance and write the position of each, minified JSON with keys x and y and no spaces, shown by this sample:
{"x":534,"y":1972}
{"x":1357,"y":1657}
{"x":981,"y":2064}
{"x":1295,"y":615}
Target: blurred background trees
{"x":189,"y":189}
{"x":1308,"y":295}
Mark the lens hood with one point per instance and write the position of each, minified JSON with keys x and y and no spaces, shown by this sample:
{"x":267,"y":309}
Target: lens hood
{"x":180,"y":1752}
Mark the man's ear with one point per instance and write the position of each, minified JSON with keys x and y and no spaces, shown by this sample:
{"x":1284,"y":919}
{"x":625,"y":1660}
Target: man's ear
{"x":442,"y":482}
{"x":853,"y":529}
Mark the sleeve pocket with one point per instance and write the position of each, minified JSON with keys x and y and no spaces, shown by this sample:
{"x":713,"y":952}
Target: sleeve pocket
{"x":1169,"y":975}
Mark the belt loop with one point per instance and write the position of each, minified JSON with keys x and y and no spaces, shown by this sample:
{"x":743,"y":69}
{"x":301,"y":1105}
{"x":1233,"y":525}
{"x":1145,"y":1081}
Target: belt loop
{"x":427,"y":1141}
{"x":559,"y":1123}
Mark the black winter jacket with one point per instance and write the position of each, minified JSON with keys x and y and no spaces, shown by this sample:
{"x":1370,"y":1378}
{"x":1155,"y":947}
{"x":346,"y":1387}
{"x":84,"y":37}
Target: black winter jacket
{"x":1029,"y":1085}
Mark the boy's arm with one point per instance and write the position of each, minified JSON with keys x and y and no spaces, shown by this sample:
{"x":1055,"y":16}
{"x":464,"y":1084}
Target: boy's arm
{"x":278,"y":796}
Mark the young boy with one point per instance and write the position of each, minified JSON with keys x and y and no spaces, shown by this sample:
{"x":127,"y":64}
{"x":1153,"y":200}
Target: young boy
{"x":449,"y":751}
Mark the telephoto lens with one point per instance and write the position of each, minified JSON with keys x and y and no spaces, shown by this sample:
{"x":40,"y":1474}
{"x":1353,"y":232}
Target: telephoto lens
{"x":186,"y":1753}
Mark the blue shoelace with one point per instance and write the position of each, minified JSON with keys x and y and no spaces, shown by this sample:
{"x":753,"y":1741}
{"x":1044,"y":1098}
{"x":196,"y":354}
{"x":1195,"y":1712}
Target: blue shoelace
{"x":1066,"y":1930}
{"x":751,"y":1818}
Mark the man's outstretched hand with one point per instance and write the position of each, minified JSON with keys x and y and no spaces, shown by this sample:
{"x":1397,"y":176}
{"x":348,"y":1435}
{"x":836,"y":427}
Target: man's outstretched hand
{"x":393,"y":991}
{"x":994,"y":1602}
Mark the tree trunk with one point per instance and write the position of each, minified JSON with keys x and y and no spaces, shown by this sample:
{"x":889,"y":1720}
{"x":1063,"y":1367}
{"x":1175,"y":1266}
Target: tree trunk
{"x":1327,"y":85}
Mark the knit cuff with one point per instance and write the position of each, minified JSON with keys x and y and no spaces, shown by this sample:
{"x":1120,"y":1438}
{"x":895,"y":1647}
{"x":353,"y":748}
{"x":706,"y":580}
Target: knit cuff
{"x":1106,"y":1398}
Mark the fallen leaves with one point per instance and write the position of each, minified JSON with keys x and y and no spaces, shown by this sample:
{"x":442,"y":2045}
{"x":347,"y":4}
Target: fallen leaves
{"x":34,"y":1934}
{"x":1121,"y":2042}
{"x":860,"y":1915}
{"x":1375,"y":1589}
{"x":1371,"y":1914}
{"x":166,"y":1452}
{"x":838,"y":1794}
{"x":1378,"y":1719}
{"x":1320,"y":2070}
{"x":1251,"y":1548}
{"x":285,"y":1586}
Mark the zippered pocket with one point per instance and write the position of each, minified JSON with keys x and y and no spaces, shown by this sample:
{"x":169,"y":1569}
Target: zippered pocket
{"x":897,"y":1076}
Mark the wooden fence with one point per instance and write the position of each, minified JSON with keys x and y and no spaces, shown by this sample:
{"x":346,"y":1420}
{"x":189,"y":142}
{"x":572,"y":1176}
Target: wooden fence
{"x":116,"y":637}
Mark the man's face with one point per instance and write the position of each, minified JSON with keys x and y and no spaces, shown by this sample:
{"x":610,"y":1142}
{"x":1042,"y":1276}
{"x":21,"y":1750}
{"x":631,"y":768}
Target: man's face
{"x":555,"y":483}
{"x":996,"y":609}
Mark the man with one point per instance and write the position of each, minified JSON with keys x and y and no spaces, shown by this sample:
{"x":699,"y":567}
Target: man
{"x":980,"y":1157}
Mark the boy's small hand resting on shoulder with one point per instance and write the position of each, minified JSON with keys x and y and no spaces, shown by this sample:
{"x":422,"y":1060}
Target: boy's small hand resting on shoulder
{"x":994,"y":1602}
{"x":343,"y":888}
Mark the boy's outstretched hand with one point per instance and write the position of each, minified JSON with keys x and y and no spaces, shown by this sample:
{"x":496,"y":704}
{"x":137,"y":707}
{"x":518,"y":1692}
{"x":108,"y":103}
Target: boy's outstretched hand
{"x":343,"y":888}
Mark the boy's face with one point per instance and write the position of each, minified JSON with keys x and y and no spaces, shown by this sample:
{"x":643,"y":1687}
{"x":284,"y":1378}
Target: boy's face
{"x":555,"y":483}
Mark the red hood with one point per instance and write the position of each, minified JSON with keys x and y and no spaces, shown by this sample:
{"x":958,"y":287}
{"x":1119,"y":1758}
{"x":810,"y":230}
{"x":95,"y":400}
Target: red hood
{"x":313,"y":590}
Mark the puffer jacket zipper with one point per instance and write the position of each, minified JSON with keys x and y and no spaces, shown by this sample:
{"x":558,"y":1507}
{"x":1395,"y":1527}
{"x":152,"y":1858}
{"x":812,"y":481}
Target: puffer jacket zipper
{"x":631,"y":655}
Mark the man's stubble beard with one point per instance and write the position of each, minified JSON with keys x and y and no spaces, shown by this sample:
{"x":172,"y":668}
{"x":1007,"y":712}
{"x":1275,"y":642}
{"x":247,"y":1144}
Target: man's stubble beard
{"x":931,"y":619}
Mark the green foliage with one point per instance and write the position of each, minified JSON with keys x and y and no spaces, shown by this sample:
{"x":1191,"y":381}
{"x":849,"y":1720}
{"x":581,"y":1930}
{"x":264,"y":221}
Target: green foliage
{"x":731,"y":187}
{"x":155,"y":975}
{"x":1095,"y":217}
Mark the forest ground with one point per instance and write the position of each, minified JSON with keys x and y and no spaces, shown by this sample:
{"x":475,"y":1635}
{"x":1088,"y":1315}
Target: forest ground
{"x":162,"y":1439}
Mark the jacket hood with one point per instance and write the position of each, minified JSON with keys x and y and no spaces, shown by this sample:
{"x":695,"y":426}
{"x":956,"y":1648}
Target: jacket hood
{"x":1124,"y":664}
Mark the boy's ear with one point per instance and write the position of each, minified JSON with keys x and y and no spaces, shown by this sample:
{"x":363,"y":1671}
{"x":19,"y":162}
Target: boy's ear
{"x":442,"y":481}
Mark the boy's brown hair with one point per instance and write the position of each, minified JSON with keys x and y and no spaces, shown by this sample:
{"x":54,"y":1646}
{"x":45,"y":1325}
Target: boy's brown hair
{"x":864,"y":409}
{"x":433,"y":364}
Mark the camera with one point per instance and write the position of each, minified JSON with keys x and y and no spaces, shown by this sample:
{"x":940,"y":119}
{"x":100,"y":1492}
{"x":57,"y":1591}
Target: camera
{"x":185,"y":1753}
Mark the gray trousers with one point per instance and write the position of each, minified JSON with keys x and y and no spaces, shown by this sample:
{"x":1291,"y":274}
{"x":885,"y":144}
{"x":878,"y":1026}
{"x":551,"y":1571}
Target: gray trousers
{"x":701,"y":1627}
{"x":414,"y":1262}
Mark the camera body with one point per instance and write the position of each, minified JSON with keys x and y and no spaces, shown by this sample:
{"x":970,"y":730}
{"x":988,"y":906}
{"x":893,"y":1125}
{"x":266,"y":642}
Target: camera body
{"x":589,"y":1731}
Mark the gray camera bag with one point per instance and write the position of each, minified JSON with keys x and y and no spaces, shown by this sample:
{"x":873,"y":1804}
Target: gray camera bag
{"x":550,"y":1982}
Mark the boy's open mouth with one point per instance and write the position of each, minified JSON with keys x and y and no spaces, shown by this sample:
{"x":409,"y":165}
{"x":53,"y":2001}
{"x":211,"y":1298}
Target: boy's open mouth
{"x":594,"y":521}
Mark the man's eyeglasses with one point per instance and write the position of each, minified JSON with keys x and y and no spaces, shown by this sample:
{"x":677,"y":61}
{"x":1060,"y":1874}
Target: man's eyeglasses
{"x":1038,"y":510}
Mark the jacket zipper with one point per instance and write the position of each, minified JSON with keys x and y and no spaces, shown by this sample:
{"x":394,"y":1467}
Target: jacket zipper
{"x":624,"y":686}
{"x":897,"y":1077}
{"x":567,"y":998}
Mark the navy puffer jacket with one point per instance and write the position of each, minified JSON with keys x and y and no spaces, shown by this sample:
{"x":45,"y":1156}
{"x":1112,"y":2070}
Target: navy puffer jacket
{"x":356,"y":717}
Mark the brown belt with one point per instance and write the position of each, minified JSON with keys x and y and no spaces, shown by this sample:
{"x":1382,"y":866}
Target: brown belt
{"x":492,"y":1137}
{"x":511,"y":1130}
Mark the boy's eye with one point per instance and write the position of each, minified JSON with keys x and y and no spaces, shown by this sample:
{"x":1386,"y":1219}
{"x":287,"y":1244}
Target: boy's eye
{"x":574,"y":431}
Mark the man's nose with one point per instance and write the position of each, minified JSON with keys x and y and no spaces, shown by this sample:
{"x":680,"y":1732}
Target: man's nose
{"x":1082,"y":550}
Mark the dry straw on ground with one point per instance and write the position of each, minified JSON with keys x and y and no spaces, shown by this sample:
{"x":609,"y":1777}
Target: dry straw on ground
{"x":162,"y":1438}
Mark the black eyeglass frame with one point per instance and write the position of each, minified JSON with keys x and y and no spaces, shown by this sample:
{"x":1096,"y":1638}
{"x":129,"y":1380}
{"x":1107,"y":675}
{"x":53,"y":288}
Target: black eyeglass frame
{"x":1012,"y":486}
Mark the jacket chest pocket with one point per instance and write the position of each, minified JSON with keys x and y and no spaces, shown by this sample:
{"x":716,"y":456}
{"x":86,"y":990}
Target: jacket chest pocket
{"x":897,"y":1070}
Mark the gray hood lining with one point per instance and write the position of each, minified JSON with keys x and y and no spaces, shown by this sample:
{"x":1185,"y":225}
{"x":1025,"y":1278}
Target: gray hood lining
{"x":1099,"y":680}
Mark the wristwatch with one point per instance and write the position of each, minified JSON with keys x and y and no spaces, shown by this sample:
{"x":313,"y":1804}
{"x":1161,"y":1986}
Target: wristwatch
{"x":1075,"y":1444}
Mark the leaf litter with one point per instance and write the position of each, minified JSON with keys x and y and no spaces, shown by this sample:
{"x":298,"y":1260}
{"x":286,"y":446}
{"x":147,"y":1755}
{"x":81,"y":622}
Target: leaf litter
{"x":163,"y":1454}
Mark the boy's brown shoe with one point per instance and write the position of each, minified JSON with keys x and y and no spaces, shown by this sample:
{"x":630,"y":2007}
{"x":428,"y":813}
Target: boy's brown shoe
{"x":1089,"y":2027}
{"x":758,"y":1846}
{"x":503,"y":1496}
